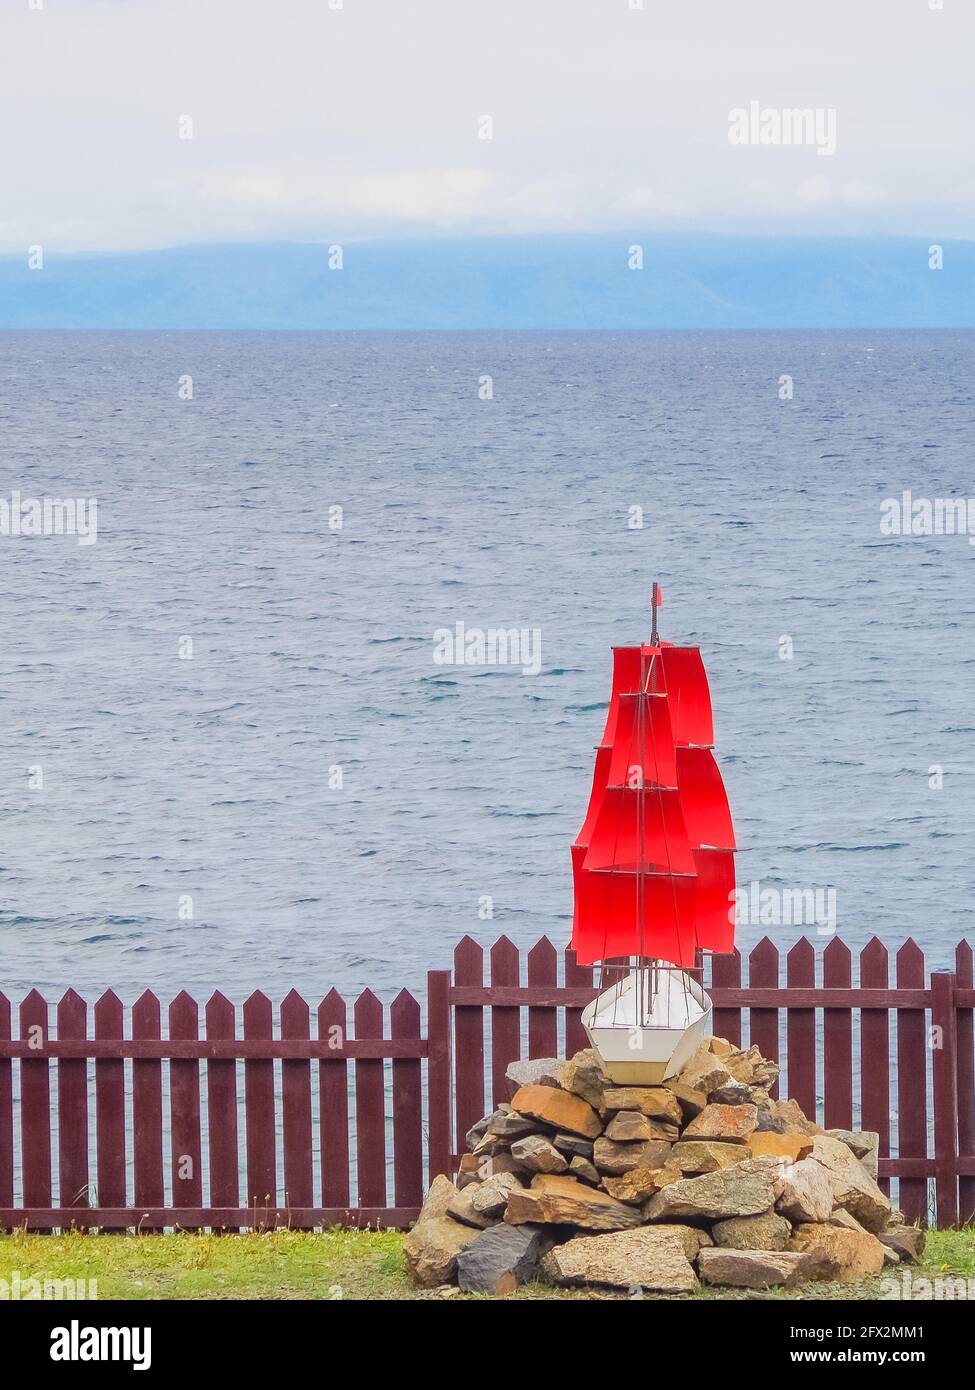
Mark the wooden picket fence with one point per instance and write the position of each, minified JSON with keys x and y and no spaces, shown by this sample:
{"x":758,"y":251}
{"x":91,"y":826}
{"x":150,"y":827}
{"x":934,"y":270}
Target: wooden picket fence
{"x":256,"y":1126}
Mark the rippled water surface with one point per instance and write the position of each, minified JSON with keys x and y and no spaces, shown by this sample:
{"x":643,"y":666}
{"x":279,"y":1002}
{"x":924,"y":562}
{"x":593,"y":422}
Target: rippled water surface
{"x":208,"y":778}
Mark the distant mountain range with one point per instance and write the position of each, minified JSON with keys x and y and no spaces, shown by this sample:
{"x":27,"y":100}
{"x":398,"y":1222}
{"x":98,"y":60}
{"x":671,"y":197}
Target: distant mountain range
{"x":570,"y":282}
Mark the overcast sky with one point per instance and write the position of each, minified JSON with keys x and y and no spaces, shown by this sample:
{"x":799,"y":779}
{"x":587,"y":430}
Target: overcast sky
{"x":320,"y":124}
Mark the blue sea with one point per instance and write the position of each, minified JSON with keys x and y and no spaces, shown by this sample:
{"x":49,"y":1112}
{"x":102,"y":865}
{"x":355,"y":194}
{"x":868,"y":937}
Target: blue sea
{"x":181,"y":699}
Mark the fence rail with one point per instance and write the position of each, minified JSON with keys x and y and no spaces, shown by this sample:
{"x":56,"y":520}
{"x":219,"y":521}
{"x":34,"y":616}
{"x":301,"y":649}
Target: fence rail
{"x":229,"y":1123}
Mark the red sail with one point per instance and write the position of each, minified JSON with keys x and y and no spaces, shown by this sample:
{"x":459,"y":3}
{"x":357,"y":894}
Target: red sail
{"x":653,"y":866}
{"x":688,"y":695}
{"x":704,"y":799}
{"x":643,"y":747}
{"x":640,"y":831}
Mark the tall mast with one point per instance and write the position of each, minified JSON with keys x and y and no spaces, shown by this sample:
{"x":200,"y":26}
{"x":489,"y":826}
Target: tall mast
{"x":644,"y":972}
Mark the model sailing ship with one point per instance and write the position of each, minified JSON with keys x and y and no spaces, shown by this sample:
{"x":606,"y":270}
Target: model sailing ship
{"x":653,"y":866}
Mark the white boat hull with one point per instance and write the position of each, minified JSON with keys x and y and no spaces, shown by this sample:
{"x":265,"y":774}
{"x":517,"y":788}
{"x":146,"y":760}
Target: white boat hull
{"x":644,"y":1047}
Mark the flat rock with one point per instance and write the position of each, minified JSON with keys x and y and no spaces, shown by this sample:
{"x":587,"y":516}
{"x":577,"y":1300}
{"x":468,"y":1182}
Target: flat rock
{"x":645,"y":1258}
{"x":562,"y":1110}
{"x":539,"y":1156}
{"x":746,"y":1189}
{"x":656,"y":1102}
{"x":584,"y":1077}
{"x":534,"y":1071}
{"x":848,"y":1255}
{"x":752,"y":1269}
{"x":732,"y":1124}
{"x":853,"y":1187}
{"x":570,"y":1144}
{"x":432,"y":1246}
{"x":693,"y":1156}
{"x":804,"y":1191}
{"x":628,"y":1125}
{"x":564,"y":1201}
{"x":766,"y":1232}
{"x":611,"y":1156}
{"x":508,"y":1124}
{"x":841,"y":1217}
{"x":500,"y":1259}
{"x":792,"y":1147}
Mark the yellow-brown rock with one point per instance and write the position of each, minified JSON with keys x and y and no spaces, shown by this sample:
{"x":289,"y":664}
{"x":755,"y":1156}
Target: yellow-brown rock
{"x":609,"y":1156}
{"x":583,"y":1076}
{"x":690,"y":1099}
{"x":432,"y":1246}
{"x":628,"y":1125}
{"x":559,"y":1200}
{"x":656,"y":1102}
{"x":853,"y":1187}
{"x":790,"y":1146}
{"x":752,"y":1068}
{"x":706,"y":1155}
{"x":561,"y":1109}
{"x":731,"y":1124}
{"x":704,"y":1072}
{"x":842,"y":1254}
{"x":635,"y":1186}
{"x":648,"y":1258}
{"x":790,"y":1114}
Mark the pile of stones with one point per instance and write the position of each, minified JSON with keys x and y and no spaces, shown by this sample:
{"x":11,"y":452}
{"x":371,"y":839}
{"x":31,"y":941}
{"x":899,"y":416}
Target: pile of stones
{"x":703,"y":1179}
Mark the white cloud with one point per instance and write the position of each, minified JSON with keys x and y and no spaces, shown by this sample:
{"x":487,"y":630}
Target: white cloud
{"x":335,"y":124}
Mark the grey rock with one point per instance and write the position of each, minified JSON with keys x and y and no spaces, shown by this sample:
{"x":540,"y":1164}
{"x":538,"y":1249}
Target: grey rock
{"x":752,"y":1269}
{"x":745,"y":1189}
{"x":583,"y":1169}
{"x":539,"y":1156}
{"x":491,"y":1196}
{"x":500,"y":1259}
{"x":853,"y":1187}
{"x":733,"y":1093}
{"x":804,"y":1192}
{"x":583,"y":1076}
{"x":534,"y":1071}
{"x":644,"y":1258}
{"x":573,"y":1144}
{"x":864,"y":1144}
{"x":477,"y":1131}
{"x":509,"y":1125}
{"x":765,"y":1232}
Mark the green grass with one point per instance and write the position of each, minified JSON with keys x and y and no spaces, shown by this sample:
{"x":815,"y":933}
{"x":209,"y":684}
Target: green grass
{"x":327,"y":1265}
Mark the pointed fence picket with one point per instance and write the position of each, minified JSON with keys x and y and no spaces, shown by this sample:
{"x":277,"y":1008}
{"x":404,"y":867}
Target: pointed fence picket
{"x":308,"y":1122}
